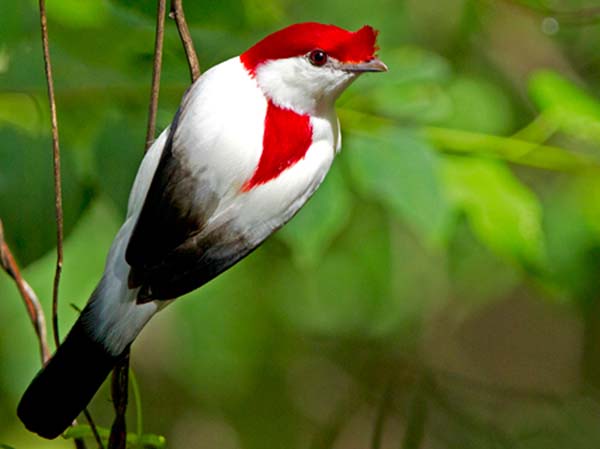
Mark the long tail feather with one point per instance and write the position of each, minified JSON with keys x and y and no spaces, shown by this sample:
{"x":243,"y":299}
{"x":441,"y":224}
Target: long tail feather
{"x":64,"y":387}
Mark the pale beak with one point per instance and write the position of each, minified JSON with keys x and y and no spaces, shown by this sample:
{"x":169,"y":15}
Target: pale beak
{"x":374,"y":65}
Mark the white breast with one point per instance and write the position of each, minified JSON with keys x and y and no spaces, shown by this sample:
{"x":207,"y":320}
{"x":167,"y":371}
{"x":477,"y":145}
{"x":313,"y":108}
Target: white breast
{"x":221,"y":130}
{"x":219,"y":136}
{"x":267,"y":207}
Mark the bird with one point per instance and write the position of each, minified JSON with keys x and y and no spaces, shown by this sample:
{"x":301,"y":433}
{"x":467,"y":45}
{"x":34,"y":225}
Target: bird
{"x":252,"y":140}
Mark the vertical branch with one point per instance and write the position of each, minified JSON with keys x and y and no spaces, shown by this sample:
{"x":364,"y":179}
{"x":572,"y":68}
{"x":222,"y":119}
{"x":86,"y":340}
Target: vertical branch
{"x":92,"y":424}
{"x":186,"y":39}
{"x":158,"y":51}
{"x":57,"y":177}
{"x":120,"y":381}
{"x":382,"y":411}
{"x":58,"y":206}
{"x":416,"y":419}
{"x":34,"y":308}
{"x":120,"y":376}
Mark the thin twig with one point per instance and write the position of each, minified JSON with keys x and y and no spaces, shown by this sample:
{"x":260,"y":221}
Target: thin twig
{"x":158,"y":51}
{"x":184,"y":33}
{"x":382,"y":411}
{"x":34,"y":308}
{"x":120,"y":383}
{"x":57,"y":177}
{"x":58,"y":207}
{"x":92,"y":424}
{"x":416,"y":420}
{"x":118,"y":433}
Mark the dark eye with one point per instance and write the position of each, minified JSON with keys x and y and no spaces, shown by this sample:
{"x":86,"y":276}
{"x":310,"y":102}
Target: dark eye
{"x":317,"y":57}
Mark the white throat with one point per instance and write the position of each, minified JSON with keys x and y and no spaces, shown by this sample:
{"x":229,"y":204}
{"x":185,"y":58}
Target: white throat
{"x":293,"y":83}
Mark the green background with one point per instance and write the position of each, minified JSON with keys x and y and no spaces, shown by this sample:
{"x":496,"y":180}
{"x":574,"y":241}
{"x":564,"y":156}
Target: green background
{"x":443,"y":283}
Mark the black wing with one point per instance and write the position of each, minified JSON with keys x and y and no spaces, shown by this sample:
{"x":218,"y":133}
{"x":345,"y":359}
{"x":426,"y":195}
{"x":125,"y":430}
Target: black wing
{"x":170,"y":250}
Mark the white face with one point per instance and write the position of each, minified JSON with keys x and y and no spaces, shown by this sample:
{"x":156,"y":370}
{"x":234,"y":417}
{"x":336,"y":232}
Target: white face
{"x":297,"y":84}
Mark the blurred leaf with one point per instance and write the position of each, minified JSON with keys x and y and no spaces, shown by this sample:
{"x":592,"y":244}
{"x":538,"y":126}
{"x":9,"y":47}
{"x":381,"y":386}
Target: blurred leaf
{"x":572,"y":241}
{"x":83,"y":431}
{"x":134,"y":441}
{"x":22,"y":111}
{"x":509,"y":149}
{"x":26,"y":193}
{"x":550,"y":90}
{"x":118,"y":152}
{"x":17,"y":20}
{"x":400,"y":170}
{"x":571,"y":423}
{"x":478,"y":105}
{"x":416,"y":419}
{"x":229,"y":332}
{"x":218,"y":14}
{"x":414,"y":92}
{"x":587,"y":189}
{"x":472,"y":262}
{"x":6,"y":446}
{"x":264,"y":13}
{"x":76,"y":13}
{"x":571,"y":107}
{"x":503,"y":213}
{"x":317,"y":224}
{"x":346,"y":292}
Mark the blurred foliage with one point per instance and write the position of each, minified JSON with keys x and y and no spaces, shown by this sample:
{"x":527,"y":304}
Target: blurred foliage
{"x":439,"y":291}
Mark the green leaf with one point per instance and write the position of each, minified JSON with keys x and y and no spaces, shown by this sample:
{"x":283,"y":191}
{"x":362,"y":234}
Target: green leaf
{"x":146,"y":441}
{"x":478,"y":105}
{"x":509,"y":149}
{"x":414,"y":93}
{"x":6,"y":446}
{"x":85,"y":431}
{"x":503,"y":212}
{"x":400,"y":170}
{"x":318,"y":223}
{"x":588,"y":190}
{"x":26,"y":193}
{"x":574,"y":110}
{"x":22,"y":111}
{"x":117,"y":155}
{"x":550,"y":90}
{"x":76,"y":13}
{"x":345,"y":293}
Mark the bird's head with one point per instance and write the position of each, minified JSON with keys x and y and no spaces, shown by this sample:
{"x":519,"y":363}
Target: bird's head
{"x":306,"y":66}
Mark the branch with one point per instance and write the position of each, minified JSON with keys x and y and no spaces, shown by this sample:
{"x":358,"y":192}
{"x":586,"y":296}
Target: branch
{"x":57,"y":178}
{"x":158,"y":51}
{"x":93,"y":427}
{"x":58,"y":207}
{"x":416,"y":420}
{"x":120,"y":379}
{"x":34,"y":308}
{"x":186,"y":39}
{"x":120,"y":382}
{"x":382,"y":411}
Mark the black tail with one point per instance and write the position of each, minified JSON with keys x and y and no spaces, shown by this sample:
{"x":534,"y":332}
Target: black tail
{"x":64,"y":387}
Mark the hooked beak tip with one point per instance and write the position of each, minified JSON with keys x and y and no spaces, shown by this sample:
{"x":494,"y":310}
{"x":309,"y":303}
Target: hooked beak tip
{"x":374,"y":65}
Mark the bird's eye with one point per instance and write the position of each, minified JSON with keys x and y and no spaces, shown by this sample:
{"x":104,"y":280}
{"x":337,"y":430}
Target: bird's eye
{"x":317,"y":57}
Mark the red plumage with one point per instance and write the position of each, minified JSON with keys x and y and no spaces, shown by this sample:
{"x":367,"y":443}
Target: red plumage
{"x":301,"y":38}
{"x":286,"y":139}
